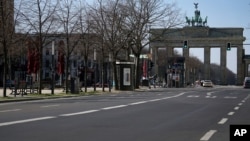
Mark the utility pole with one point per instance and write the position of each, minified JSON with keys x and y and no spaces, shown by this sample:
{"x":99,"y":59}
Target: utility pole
{"x":53,"y":68}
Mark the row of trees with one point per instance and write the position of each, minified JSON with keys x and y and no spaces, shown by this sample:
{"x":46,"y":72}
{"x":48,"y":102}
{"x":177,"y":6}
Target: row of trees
{"x":117,"y":25}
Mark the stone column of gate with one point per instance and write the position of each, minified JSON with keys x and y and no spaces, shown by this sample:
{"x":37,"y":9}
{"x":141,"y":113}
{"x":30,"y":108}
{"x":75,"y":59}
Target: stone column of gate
{"x":240,"y":66}
{"x":223,"y":65}
{"x":207,"y":55}
{"x":186,"y":55}
{"x":169,"y":54}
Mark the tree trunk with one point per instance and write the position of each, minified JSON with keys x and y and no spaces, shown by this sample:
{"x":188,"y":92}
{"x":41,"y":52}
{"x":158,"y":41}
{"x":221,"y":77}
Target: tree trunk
{"x":85,"y":73}
{"x":5,"y":68}
{"x":67,"y":75}
{"x":40,"y":53}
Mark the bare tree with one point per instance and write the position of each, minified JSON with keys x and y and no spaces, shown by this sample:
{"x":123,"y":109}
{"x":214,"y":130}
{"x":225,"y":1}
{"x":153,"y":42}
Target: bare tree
{"x":88,"y":38}
{"x":39,"y":19}
{"x":142,"y":14}
{"x":110,"y":23}
{"x":68,"y":18}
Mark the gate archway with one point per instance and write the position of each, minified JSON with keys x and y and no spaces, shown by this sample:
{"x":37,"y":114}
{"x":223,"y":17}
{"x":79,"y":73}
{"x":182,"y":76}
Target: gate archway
{"x":201,"y":37}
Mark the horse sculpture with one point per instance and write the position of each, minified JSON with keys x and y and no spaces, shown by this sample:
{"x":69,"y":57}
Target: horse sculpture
{"x":188,"y":20}
{"x":205,"y":21}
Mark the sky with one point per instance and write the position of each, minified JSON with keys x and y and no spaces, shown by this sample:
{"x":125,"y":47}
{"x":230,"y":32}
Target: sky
{"x":221,"y":13}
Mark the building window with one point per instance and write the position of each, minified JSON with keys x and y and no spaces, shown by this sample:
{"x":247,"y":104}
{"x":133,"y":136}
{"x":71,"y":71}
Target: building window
{"x":47,"y":64}
{"x":74,"y":63}
{"x":47,"y":52}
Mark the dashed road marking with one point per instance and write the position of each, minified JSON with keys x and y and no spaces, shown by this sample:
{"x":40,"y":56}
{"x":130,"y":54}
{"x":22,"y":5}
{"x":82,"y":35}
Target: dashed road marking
{"x":114,"y":107}
{"x":223,"y":121}
{"x":231,"y":113}
{"x":136,"y":103}
{"x":154,"y":100}
{"x":230,"y":97}
{"x":210,"y":96}
{"x":195,"y":96}
{"x":24,"y":121}
{"x":208,"y":135}
{"x":48,"y":106}
{"x":11,"y":110}
{"x":236,"y":108}
{"x":79,"y":113}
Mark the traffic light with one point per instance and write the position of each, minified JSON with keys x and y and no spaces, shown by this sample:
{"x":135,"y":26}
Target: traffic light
{"x":228,"y":46}
{"x":185,"y":44}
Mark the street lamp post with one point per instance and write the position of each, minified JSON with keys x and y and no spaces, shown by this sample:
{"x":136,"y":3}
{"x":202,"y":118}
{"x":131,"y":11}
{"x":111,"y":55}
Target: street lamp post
{"x":94,"y":69}
{"x":52,"y":64}
{"x":109,"y":76}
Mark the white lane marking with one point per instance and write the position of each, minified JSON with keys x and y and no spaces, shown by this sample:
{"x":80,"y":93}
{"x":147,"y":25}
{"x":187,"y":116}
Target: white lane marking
{"x":154,"y":100}
{"x":230,"y":113}
{"x":114,"y":107}
{"x":173,"y":96}
{"x":190,"y":96}
{"x":177,"y":95}
{"x":208,"y":135}
{"x":24,"y":121}
{"x":136,"y":103}
{"x":85,"y":112}
{"x":236,"y":108}
{"x":208,"y":96}
{"x":12,"y":110}
{"x":240,"y":104}
{"x":223,"y":121}
{"x":230,"y":97}
{"x":48,"y":106}
{"x":210,"y":93}
{"x":79,"y":113}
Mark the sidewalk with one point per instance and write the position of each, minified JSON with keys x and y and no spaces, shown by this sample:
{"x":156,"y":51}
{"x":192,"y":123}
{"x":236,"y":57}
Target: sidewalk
{"x":46,"y":94}
{"x":58,"y":93}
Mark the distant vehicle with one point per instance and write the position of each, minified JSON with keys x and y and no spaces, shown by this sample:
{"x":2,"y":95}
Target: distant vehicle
{"x":246,"y":83}
{"x":207,"y":83}
{"x":202,"y":82}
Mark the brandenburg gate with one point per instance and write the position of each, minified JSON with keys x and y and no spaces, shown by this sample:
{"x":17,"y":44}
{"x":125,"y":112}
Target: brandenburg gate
{"x":198,"y":35}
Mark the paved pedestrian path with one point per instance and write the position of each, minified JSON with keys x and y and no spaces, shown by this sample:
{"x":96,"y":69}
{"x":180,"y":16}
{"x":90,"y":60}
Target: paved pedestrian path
{"x":56,"y":91}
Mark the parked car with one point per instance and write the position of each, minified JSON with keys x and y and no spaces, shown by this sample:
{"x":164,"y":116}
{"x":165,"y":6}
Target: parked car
{"x":207,"y":83}
{"x":246,"y":83}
